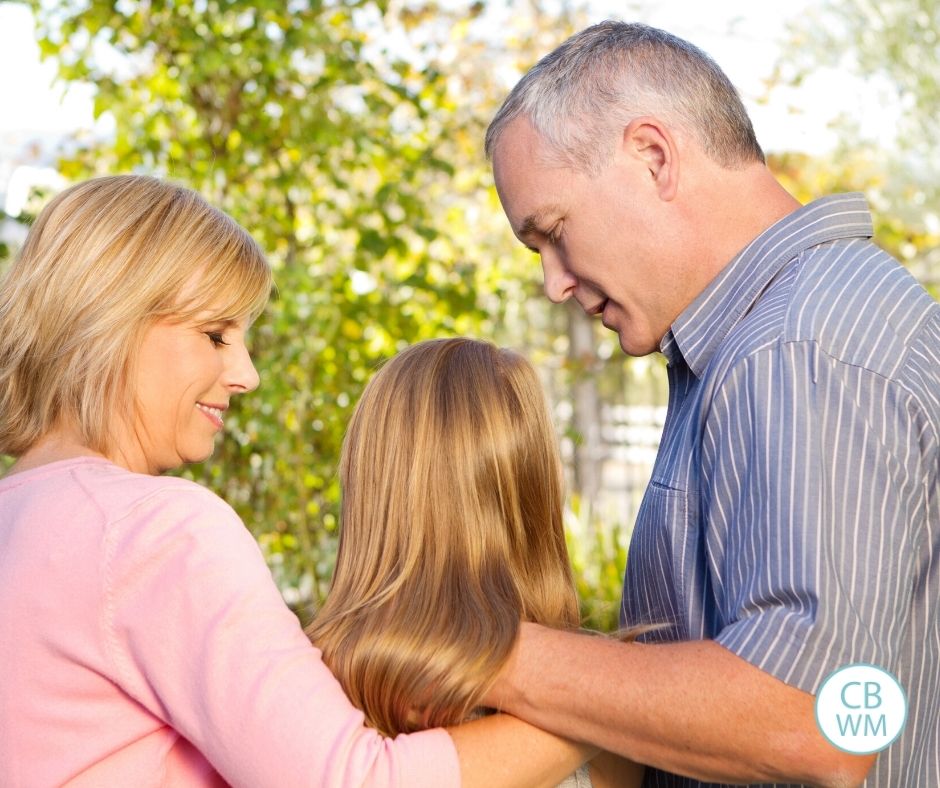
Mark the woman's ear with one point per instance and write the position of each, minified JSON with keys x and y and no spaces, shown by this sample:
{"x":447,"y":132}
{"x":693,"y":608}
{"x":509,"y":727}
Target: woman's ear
{"x":648,"y":140}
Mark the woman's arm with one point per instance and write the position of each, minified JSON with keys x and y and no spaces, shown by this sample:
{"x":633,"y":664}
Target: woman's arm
{"x":501,"y":750}
{"x":199,"y":636}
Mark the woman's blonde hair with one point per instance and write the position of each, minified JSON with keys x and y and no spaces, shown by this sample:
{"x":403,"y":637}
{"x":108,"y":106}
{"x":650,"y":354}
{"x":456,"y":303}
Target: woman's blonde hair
{"x":103,"y":260}
{"x":451,"y":533}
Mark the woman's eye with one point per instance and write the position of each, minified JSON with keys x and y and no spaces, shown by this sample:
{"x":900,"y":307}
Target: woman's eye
{"x":216,"y":338}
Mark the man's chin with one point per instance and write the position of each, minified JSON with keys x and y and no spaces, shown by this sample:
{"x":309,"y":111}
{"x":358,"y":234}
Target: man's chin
{"x":635,"y":346}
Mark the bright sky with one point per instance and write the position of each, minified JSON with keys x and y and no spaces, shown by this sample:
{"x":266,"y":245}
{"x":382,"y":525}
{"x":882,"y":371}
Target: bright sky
{"x":743,"y":36}
{"x":27,"y":98}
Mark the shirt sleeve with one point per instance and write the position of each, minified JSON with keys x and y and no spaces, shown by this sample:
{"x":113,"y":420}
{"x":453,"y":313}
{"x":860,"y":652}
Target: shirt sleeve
{"x":813,"y":502}
{"x":200,"y":636}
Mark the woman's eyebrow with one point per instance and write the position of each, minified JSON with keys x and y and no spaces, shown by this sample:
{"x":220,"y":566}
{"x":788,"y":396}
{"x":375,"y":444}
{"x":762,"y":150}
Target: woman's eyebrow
{"x":220,"y":322}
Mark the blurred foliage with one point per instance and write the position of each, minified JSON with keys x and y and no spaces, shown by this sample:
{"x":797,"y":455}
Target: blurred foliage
{"x":347,"y":137}
{"x":10,"y":240}
{"x":892,"y":45}
{"x":8,"y":246}
{"x":294,"y":120}
{"x":915,"y":242}
{"x":597,"y":549}
{"x":896,"y":40}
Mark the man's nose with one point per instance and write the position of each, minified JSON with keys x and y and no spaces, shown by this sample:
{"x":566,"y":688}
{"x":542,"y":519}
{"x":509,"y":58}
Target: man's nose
{"x":559,"y":282}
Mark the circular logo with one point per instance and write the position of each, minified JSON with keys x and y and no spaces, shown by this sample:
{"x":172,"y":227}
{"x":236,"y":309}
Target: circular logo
{"x":861,"y":708}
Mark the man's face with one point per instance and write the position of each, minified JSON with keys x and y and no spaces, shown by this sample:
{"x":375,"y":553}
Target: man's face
{"x":600,"y":238}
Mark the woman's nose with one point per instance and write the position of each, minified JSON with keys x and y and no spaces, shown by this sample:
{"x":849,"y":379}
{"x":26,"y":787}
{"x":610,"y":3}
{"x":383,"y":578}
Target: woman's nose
{"x":241,"y":373}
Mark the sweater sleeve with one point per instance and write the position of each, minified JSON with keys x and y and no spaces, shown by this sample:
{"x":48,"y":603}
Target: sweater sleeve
{"x":199,"y":635}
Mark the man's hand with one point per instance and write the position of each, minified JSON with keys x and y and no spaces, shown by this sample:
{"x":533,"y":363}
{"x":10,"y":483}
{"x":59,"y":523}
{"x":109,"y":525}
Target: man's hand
{"x":691,"y":708}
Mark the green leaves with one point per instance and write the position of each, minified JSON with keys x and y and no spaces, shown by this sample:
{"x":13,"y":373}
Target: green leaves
{"x":347,"y":138}
{"x":892,"y":45}
{"x":295,"y":120}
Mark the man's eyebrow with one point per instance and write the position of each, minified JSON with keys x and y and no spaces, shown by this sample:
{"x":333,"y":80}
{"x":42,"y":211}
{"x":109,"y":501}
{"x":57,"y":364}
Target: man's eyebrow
{"x":534,"y":221}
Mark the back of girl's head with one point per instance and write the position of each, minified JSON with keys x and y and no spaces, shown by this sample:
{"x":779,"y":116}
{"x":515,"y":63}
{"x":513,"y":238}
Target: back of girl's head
{"x":103,"y":260}
{"x":451,"y":533}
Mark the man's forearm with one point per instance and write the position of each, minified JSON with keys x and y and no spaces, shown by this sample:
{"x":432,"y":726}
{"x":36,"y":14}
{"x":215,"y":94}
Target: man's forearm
{"x":691,"y":708}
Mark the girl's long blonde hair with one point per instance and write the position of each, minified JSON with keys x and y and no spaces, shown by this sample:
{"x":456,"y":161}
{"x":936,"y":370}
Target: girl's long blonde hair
{"x":451,"y":533}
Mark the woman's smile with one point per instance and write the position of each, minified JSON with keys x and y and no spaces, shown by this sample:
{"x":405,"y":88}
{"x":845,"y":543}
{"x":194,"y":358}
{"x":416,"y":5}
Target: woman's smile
{"x":213,"y":413}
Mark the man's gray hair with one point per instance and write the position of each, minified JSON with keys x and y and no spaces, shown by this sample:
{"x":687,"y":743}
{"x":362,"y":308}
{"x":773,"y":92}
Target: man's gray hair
{"x":582,"y":94}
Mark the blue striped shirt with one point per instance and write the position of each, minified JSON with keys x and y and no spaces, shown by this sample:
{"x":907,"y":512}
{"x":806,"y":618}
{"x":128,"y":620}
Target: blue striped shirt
{"x":793,"y":513}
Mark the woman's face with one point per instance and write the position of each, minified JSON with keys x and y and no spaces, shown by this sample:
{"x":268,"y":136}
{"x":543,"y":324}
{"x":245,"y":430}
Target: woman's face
{"x":187,"y":374}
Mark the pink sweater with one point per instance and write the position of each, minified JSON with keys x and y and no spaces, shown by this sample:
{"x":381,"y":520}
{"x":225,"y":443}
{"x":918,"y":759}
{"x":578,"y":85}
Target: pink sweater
{"x":143,"y":642}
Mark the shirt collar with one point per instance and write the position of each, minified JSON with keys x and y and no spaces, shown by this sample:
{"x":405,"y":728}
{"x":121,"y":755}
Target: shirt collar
{"x":703,"y":325}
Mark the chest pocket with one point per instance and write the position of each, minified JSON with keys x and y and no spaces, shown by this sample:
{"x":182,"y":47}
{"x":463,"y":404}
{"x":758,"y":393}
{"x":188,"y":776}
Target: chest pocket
{"x":662,"y":562}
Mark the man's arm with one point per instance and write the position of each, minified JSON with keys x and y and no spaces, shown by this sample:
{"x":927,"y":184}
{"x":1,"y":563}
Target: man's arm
{"x":690,"y":708}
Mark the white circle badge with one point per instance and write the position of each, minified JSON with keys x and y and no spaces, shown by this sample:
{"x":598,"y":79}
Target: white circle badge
{"x":861,"y":708}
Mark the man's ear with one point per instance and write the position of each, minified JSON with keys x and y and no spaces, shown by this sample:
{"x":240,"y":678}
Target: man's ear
{"x":648,"y":140}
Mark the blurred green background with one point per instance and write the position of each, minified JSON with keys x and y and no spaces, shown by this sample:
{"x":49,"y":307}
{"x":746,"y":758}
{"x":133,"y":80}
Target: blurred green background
{"x":347,"y":137}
